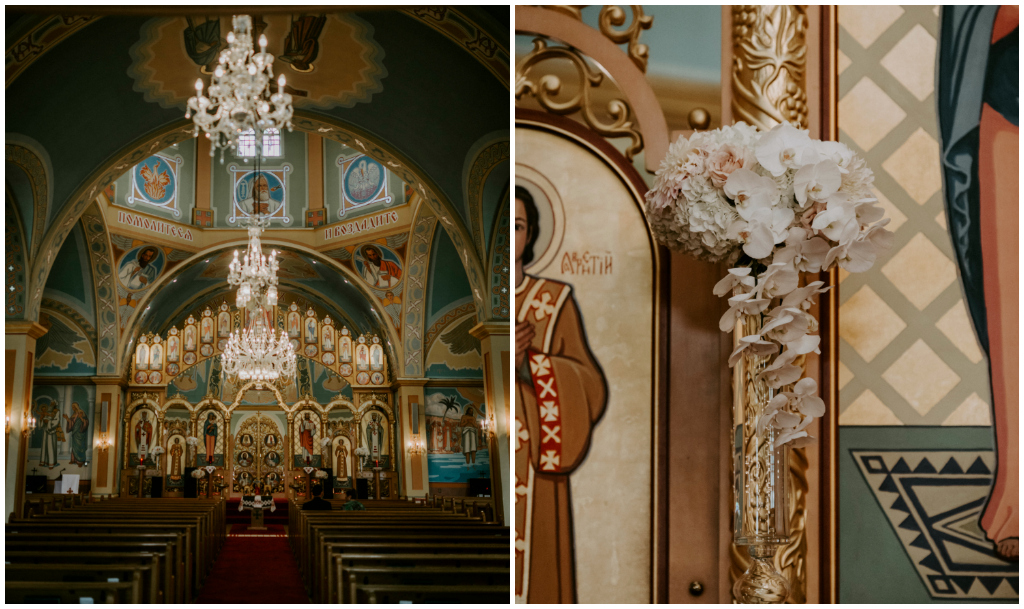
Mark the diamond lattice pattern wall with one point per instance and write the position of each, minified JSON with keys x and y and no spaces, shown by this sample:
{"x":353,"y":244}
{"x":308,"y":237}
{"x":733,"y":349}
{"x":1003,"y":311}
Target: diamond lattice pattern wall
{"x":908,"y":355}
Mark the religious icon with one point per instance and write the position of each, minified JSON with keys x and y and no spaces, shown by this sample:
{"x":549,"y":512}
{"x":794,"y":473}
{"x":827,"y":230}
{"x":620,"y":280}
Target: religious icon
{"x":190,"y":338}
{"x":362,"y":357}
{"x":328,"y":336}
{"x":345,"y":370}
{"x":244,"y":479}
{"x":328,"y":358}
{"x":173,"y":346}
{"x":294,"y":324}
{"x":155,"y":377}
{"x":174,"y":465}
{"x":142,"y":357}
{"x":270,"y":440}
{"x":49,"y":422}
{"x":76,"y":426}
{"x":206,"y":329}
{"x":156,"y":356}
{"x":246,"y":440}
{"x":345,"y":348}
{"x":272,"y":459}
{"x":552,"y":340}
{"x":244,"y":458}
{"x":377,"y":378}
{"x":376,"y":269}
{"x":374,"y":436}
{"x":140,"y":267}
{"x":341,"y":461}
{"x":363,"y":378}
{"x":210,"y":437}
{"x":306,"y":441}
{"x":223,"y":324}
{"x":272,"y":479}
{"x":376,"y":357}
{"x":141,"y":377}
{"x":311,"y":330}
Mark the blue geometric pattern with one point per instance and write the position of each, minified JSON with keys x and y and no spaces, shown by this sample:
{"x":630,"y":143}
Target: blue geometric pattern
{"x":934,"y":500}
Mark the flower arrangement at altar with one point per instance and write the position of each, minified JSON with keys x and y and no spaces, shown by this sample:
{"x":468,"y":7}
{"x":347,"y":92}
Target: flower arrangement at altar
{"x":321,"y":474}
{"x":198,"y":473}
{"x":157,"y":451}
{"x":771,"y":204}
{"x":192,"y":441}
{"x":325,"y":442}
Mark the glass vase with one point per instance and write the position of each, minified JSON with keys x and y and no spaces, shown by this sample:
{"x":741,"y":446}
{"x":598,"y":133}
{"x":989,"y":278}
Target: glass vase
{"x":760,"y":519}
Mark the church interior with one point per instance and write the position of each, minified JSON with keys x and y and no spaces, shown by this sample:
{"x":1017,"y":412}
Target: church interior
{"x":675,"y":231}
{"x":257,"y":304}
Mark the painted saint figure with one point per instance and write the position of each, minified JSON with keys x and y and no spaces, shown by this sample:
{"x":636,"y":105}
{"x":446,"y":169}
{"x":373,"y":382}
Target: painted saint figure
{"x":311,"y":330}
{"x":139,"y":273}
{"x":341,"y":461}
{"x":560,"y":395}
{"x":172,"y":348}
{"x":76,"y":426}
{"x":375,"y":437}
{"x":176,"y":452}
{"x":190,"y":338}
{"x":470,"y":429}
{"x":210,"y":436}
{"x":50,"y":424}
{"x":306,"y":429}
{"x":378,"y":272}
{"x":206,"y":329}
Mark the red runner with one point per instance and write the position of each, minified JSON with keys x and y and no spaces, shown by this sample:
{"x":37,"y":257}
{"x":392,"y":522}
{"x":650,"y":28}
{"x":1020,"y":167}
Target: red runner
{"x":254,"y":570}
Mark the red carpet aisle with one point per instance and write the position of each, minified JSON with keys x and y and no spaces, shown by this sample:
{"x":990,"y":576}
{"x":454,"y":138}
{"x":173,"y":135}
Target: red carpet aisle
{"x":254,"y":570}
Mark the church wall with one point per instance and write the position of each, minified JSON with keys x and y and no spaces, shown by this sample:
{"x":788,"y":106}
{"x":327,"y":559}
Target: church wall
{"x":914,"y":387}
{"x":63,"y":439}
{"x":451,"y":460}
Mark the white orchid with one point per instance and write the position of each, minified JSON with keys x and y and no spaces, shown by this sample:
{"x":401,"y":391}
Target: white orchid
{"x":736,"y":278}
{"x":857,"y":251}
{"x":750,"y":191}
{"x":840,"y":213}
{"x":755,"y":345}
{"x":778,"y":279}
{"x":816,"y":182}
{"x":785,"y":147}
{"x":787,"y":325}
{"x":741,"y":304}
{"x":804,"y":398}
{"x":774,"y":407}
{"x":803,"y":298}
{"x":806,"y":255}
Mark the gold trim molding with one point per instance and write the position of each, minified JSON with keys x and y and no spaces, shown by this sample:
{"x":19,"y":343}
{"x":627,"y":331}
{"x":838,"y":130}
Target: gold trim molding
{"x":769,"y":64}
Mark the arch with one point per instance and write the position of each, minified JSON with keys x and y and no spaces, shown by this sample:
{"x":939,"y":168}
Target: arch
{"x":340,"y":402}
{"x":30,"y":156}
{"x":370,"y":401}
{"x":484,"y":156}
{"x":133,"y":328}
{"x":631,"y":80}
{"x":326,"y":127}
{"x":417,"y":267}
{"x":179,"y":401}
{"x":500,"y":264}
{"x":101,"y":256}
{"x":14,"y":261}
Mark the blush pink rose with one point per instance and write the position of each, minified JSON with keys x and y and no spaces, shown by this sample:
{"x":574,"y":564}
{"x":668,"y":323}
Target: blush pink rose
{"x":721,"y":163}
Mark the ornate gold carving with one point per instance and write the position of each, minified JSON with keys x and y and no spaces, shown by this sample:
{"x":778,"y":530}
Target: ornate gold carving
{"x":548,"y":86}
{"x":769,"y":64}
{"x":573,"y":10}
{"x":613,"y":16}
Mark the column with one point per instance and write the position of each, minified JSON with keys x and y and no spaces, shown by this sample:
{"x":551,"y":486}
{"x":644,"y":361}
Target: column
{"x":316,"y":214}
{"x":416,"y":481}
{"x":105,"y":449}
{"x":19,"y":360}
{"x":495,"y":344}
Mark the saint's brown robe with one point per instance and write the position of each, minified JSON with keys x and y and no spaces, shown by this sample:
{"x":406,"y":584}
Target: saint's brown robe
{"x":560,"y":395}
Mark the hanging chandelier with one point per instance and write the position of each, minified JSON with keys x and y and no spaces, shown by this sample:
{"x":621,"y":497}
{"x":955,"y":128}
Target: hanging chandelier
{"x":255,"y":353}
{"x":240,"y":99}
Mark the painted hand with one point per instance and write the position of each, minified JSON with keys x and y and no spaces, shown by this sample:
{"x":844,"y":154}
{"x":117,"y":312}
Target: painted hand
{"x":524,"y":338}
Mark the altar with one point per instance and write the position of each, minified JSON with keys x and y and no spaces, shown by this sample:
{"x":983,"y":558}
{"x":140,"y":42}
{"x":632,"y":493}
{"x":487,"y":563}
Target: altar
{"x":256,"y":504}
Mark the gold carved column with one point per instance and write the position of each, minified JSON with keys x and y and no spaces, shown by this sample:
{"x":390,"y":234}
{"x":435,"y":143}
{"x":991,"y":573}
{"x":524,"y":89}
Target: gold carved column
{"x":767,"y":72}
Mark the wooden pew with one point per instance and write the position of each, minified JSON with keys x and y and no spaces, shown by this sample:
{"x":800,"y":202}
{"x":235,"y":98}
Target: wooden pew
{"x":170,"y":580}
{"x":421,"y":575}
{"x":374,"y":593}
{"x":141,"y":577}
{"x":341,"y":562}
{"x":67,"y":592}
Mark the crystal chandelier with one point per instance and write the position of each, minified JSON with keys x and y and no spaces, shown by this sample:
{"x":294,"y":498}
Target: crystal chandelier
{"x":255,"y":353}
{"x":239,"y":95}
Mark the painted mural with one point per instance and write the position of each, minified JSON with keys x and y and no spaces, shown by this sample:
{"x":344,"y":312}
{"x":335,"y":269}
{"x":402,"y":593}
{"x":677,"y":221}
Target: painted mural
{"x":62,"y":440}
{"x":67,"y":348}
{"x":264,"y":194}
{"x":379,"y":264}
{"x":211,"y":438}
{"x":306,"y":440}
{"x":584,"y":376}
{"x":196,"y":382}
{"x":457,"y":440}
{"x":452,"y":351}
{"x":139,"y":266}
{"x":154,"y":182}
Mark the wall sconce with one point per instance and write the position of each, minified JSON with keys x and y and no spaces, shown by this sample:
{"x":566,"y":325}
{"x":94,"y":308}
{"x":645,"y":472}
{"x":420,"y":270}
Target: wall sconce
{"x":416,"y":446}
{"x":30,"y":424}
{"x":104,"y":442}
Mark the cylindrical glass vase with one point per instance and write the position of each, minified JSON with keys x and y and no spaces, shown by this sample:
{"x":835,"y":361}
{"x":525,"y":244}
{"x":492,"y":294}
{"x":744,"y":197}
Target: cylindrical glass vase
{"x":760,"y":516}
